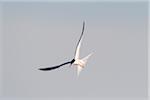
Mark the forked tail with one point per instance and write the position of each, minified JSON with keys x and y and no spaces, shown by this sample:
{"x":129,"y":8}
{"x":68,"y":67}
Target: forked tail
{"x":86,"y":58}
{"x":79,"y":68}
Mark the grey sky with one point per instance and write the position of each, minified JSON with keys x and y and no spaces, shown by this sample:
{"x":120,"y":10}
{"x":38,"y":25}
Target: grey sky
{"x":45,"y":34}
{"x":1,"y":49}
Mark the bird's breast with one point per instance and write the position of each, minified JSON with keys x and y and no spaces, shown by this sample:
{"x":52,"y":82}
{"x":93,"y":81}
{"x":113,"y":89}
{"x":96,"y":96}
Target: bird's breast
{"x":79,"y":62}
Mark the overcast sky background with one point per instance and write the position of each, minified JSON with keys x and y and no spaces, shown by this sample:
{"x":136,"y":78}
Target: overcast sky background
{"x":46,"y":34}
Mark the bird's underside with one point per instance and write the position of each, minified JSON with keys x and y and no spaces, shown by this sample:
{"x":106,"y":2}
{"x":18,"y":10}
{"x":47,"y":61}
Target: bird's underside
{"x":77,"y":62}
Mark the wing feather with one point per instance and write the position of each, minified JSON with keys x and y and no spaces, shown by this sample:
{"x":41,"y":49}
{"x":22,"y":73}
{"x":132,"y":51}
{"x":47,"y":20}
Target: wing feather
{"x":54,"y":67}
{"x":79,"y":69}
{"x":77,"y":51}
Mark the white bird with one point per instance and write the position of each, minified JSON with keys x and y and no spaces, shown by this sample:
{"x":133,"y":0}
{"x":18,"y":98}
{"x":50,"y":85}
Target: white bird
{"x":77,"y":62}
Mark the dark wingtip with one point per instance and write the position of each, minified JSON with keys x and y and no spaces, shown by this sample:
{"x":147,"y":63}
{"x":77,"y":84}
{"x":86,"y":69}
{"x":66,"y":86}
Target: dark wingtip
{"x":49,"y":68}
{"x":41,"y":69}
{"x":54,"y":67}
{"x":44,"y":69}
{"x":84,"y":22}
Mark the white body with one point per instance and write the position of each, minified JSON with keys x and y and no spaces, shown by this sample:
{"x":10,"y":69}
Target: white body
{"x":80,"y":63}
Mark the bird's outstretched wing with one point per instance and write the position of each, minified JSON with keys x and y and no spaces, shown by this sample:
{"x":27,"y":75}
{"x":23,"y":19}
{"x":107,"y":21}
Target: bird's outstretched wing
{"x":54,"y":67}
{"x":77,"y":51}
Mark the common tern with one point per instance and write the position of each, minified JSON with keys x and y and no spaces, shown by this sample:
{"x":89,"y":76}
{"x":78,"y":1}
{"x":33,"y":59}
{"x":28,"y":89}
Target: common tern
{"x":76,"y":61}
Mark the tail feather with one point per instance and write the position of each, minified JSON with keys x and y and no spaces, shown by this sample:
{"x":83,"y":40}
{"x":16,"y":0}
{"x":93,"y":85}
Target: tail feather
{"x":86,"y":58}
{"x":79,"y":69}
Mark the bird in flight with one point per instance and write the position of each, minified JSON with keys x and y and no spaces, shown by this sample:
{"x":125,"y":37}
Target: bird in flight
{"x":76,"y":61}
